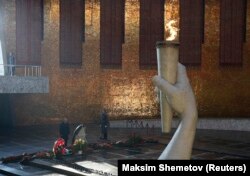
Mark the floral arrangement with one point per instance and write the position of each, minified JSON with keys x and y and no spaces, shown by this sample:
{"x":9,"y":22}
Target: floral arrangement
{"x":134,"y":140}
{"x":79,"y":145}
{"x":27,"y":157}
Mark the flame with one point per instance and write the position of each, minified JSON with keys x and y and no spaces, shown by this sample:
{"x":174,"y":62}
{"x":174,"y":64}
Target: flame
{"x":172,"y":30}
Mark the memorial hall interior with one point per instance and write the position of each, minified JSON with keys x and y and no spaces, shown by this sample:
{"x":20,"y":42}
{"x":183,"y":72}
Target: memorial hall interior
{"x":72,"y":59}
{"x":80,"y":86}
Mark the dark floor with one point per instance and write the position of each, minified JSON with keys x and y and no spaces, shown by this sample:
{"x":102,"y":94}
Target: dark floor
{"x":208,"y":145}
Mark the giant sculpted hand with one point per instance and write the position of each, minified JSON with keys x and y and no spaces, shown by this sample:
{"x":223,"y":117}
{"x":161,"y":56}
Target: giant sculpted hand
{"x":181,"y":98}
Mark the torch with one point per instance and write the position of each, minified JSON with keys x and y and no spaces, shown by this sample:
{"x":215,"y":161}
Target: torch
{"x":167,"y":61}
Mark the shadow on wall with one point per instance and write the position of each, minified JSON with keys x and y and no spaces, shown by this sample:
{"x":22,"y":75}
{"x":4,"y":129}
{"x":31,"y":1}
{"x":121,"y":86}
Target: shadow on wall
{"x":5,"y":111}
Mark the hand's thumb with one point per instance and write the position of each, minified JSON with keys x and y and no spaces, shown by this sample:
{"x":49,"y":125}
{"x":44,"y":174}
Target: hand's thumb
{"x":164,"y":85}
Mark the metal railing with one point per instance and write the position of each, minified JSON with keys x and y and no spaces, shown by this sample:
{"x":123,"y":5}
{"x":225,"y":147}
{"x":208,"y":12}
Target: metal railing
{"x":21,"y":70}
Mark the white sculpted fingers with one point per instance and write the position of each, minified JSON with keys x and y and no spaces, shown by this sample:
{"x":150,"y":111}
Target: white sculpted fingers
{"x":157,"y":94}
{"x":167,"y":88}
{"x":182,"y":74}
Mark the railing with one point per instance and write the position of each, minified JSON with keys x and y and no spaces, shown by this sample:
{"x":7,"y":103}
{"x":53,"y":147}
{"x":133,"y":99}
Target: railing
{"x":21,"y":70}
{"x":138,"y":124}
{"x":134,"y":124}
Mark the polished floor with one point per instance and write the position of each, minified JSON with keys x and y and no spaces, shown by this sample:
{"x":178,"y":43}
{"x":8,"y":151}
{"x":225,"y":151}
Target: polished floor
{"x":208,"y":145}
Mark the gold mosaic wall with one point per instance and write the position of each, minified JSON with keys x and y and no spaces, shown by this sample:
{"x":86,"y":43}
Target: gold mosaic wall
{"x":80,"y":93}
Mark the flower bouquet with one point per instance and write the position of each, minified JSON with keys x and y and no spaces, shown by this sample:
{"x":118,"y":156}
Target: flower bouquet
{"x":79,"y":146}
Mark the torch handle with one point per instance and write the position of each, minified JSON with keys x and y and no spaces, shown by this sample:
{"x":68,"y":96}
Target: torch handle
{"x":167,"y":56}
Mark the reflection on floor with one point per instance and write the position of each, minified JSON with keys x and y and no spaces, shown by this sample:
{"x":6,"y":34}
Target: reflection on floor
{"x":209,"y":145}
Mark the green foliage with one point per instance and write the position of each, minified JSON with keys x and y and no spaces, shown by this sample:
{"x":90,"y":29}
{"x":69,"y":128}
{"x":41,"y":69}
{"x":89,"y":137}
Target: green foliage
{"x":134,"y":140}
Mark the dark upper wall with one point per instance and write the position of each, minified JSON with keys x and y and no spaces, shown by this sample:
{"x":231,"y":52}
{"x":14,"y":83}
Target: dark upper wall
{"x":80,"y":93}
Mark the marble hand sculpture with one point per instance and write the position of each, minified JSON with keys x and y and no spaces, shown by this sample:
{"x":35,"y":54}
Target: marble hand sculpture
{"x":181,"y":98}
